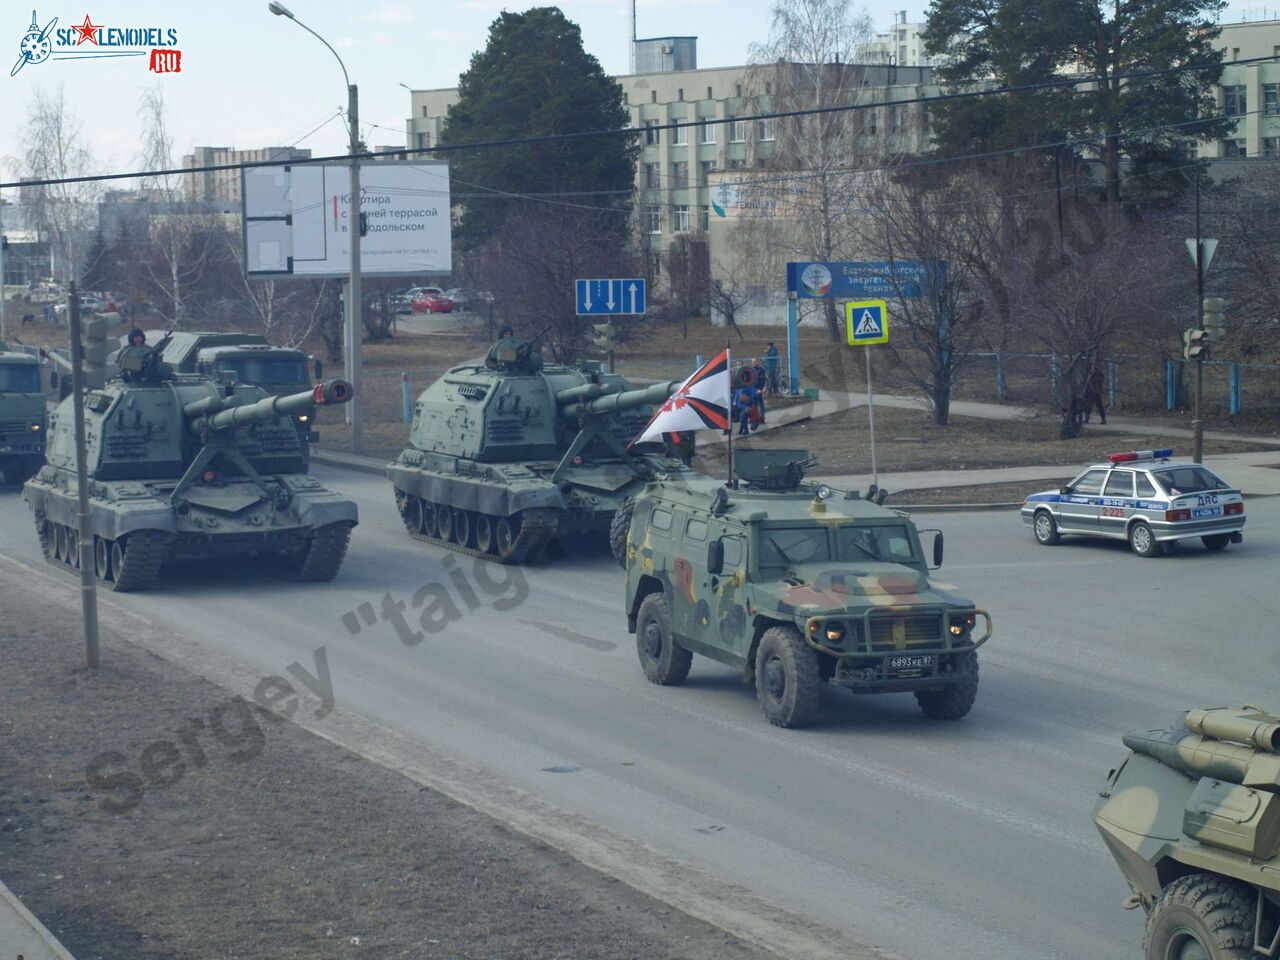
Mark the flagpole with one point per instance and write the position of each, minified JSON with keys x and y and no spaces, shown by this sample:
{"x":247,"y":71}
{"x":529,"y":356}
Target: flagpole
{"x":728,"y":365}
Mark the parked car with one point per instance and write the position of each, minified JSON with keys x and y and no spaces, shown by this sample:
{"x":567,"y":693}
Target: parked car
{"x":404,"y":301}
{"x":88,"y":304}
{"x":432,"y":303}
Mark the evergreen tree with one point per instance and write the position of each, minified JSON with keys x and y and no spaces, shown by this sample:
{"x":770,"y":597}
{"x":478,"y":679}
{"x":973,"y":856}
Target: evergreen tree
{"x":534,"y":78}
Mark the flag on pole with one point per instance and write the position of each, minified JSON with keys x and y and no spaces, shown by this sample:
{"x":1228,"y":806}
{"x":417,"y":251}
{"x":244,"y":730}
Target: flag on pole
{"x":700,"y":403}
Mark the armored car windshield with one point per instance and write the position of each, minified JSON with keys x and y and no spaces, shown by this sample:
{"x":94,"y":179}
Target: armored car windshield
{"x":885,"y":542}
{"x":265,"y":371}
{"x":784,"y":546}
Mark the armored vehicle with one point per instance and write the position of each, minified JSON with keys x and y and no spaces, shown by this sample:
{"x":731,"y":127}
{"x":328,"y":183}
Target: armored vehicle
{"x":795,"y":585}
{"x":182,"y":348}
{"x":1192,"y":817}
{"x":184,"y":466}
{"x":279,"y":371}
{"x":22,"y":415}
{"x":509,"y":454}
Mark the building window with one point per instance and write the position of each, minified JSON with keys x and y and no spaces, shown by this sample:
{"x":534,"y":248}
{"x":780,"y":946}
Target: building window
{"x":1235,"y":53}
{"x":652,"y":179}
{"x":1271,"y":98}
{"x":653,"y":218}
{"x":1271,"y":148}
{"x":652,"y":135}
{"x":897,"y":118}
{"x":682,"y":219}
{"x":764,"y":128}
{"x":928,"y":122}
{"x":1235,"y":101}
{"x":655,"y":271}
{"x":1193,"y":150}
{"x":710,"y":97}
{"x":704,"y":218}
{"x":736,"y":163}
{"x":679,"y":93}
{"x":708,"y":132}
{"x":1234,"y":149}
{"x":680,"y":174}
{"x":424,"y":113}
{"x":871,"y":122}
{"x":707,"y":166}
{"x":738,"y":131}
{"x":653,"y":96}
{"x":680,"y":135}
{"x":737,"y":89}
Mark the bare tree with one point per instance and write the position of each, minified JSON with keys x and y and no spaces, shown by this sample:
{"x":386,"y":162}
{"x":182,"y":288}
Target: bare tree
{"x":688,"y":269}
{"x":54,"y":148}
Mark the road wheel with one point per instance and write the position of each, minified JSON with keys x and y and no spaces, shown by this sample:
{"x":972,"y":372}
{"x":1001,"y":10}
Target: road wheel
{"x":1201,"y":917}
{"x":954,"y":701}
{"x":663,"y":660}
{"x":73,"y":548}
{"x":505,"y":532}
{"x":462,"y":526}
{"x":413,"y":514}
{"x":619,"y":527}
{"x":1217,"y":541}
{"x":444,"y":522}
{"x":1045,"y":528}
{"x":46,"y":533}
{"x":484,"y":533}
{"x":59,"y":543}
{"x":1143,"y":541}
{"x":429,"y":514}
{"x":787,"y":680}
{"x":102,"y":558}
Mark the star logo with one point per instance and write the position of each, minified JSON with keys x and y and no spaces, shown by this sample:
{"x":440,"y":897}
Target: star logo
{"x":88,"y":31}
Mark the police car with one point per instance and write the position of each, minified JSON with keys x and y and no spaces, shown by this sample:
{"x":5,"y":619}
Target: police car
{"x":1143,"y":497}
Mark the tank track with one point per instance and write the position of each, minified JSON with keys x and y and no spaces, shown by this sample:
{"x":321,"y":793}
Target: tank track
{"x":145,"y":553}
{"x":324,"y":554}
{"x":535,"y":534}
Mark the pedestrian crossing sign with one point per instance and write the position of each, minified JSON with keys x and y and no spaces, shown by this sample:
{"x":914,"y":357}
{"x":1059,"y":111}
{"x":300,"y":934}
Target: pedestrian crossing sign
{"x":866,"y":322}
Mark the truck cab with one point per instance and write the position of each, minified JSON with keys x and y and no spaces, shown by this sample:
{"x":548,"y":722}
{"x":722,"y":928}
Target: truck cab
{"x":23,"y":421}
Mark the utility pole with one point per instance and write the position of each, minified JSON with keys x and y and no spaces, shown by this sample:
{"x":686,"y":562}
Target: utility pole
{"x":88,"y":578}
{"x":1197,"y":428}
{"x":4,"y":302}
{"x":355,"y":319}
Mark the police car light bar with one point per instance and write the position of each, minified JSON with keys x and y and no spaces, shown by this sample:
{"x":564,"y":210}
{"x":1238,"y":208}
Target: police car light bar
{"x":1163,"y":454}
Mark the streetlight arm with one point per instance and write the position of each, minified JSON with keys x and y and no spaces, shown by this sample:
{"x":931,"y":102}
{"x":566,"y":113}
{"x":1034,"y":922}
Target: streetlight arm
{"x":331,"y":50}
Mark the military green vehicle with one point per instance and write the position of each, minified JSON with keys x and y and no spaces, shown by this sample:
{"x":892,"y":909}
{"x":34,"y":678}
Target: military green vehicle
{"x":510,"y":454}
{"x":1192,"y":817}
{"x":795,"y":585}
{"x":187,"y":467}
{"x":22,"y":415}
{"x":279,"y":371}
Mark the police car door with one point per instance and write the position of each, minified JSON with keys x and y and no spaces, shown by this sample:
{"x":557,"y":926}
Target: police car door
{"x":1079,"y":506}
{"x":1117,"y":503}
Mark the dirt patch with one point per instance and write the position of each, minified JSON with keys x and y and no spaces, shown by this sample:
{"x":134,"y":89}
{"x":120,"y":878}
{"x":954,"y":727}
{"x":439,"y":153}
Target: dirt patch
{"x":974,"y":493}
{"x":910,"y":440}
{"x":267,"y":842}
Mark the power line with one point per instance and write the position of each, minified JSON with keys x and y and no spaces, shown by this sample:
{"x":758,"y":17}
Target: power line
{"x":1066,"y":82}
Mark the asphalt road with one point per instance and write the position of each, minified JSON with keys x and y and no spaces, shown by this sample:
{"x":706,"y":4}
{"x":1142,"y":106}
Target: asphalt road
{"x":932,"y":840}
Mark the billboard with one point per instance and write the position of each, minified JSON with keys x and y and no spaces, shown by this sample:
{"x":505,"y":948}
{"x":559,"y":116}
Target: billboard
{"x":298,"y":220}
{"x":877,"y":278}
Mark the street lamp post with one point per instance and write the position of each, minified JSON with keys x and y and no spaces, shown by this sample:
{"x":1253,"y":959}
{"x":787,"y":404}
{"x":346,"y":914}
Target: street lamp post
{"x":352,"y":340}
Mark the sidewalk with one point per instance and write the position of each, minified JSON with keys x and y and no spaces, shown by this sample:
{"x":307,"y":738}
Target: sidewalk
{"x":22,"y":935}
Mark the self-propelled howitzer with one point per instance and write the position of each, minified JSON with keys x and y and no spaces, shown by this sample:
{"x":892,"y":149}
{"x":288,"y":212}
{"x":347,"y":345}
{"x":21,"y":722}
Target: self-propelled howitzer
{"x":508,"y":455}
{"x":188,"y":467}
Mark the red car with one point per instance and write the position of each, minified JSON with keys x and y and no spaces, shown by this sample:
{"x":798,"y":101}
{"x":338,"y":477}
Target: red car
{"x":431,"y":303}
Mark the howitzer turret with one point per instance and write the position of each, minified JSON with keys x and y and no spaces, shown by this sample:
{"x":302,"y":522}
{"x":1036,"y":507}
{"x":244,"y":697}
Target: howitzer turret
{"x":506,"y":455}
{"x":187,"y":466}
{"x":1192,"y":817}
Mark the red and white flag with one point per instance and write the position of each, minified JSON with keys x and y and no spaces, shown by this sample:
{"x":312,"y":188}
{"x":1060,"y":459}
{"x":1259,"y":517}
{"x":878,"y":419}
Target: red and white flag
{"x":700,"y":403}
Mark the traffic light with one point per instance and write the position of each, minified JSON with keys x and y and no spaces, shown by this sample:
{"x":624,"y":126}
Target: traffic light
{"x":93,"y":340}
{"x":1215,"y":318}
{"x":603,"y":338}
{"x":1195,"y":345}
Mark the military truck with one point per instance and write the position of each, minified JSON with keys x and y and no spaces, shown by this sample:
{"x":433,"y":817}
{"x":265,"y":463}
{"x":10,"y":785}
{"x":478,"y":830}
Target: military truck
{"x":507,"y":455}
{"x":182,"y":466}
{"x":277,"y":370}
{"x":1192,"y":818}
{"x":22,"y":415}
{"x":796,"y":585}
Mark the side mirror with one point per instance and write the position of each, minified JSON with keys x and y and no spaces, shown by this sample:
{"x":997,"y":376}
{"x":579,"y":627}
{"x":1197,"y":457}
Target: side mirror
{"x":1064,"y":490}
{"x":715,"y":557}
{"x":319,"y":370}
{"x":937,"y":550}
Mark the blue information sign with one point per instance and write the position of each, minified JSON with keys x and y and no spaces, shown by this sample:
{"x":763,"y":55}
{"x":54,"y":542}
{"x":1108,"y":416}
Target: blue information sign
{"x":612,"y":297}
{"x":862,"y":280}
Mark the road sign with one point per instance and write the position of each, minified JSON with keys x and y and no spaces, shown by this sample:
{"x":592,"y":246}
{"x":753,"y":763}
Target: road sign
{"x":1207,"y":245}
{"x":872,"y":278}
{"x":612,"y":297}
{"x":866,"y":322}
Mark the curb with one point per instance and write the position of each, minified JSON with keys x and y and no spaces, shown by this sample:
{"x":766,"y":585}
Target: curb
{"x":10,"y":901}
{"x":351,"y":461}
{"x":950,"y":507}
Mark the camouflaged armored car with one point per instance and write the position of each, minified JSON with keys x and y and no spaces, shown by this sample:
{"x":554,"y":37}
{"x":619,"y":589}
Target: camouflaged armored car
{"x":1192,"y":818}
{"x":796,"y":585}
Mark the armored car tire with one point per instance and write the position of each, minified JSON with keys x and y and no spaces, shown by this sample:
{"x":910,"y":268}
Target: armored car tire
{"x":954,"y":701}
{"x":1142,"y":541}
{"x":1201,"y":916}
{"x":321,"y":559}
{"x":787,"y":680}
{"x":663,"y":660}
{"x":619,"y":528}
{"x":1045,"y":528}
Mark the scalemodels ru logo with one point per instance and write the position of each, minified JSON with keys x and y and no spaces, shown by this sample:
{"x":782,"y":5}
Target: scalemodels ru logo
{"x":92,"y":41}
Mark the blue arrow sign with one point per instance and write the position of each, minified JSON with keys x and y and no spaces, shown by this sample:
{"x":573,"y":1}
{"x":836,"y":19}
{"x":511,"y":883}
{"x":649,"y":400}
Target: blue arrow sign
{"x":610,"y":297}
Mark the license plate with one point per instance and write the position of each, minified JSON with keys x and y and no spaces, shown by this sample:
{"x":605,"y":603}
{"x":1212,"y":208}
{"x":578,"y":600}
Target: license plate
{"x":1207,"y":512}
{"x":911,"y":663}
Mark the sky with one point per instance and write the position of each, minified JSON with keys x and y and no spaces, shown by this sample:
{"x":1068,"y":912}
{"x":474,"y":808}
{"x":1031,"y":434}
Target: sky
{"x":251,"y":79}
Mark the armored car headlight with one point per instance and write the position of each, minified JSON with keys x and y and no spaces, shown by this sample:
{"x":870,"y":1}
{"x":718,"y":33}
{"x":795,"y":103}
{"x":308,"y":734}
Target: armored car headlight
{"x":303,"y":418}
{"x":835,"y":631}
{"x":35,"y":426}
{"x":823,"y":492}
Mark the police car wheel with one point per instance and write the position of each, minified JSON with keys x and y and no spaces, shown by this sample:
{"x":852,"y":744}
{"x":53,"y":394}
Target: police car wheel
{"x":1045,"y":529}
{"x":1217,"y":541}
{"x":1143,"y":541}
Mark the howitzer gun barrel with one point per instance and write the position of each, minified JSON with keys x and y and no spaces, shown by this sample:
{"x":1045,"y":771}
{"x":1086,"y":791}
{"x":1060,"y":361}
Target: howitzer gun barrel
{"x":586,"y":391}
{"x":212,"y":414}
{"x":632,"y":398}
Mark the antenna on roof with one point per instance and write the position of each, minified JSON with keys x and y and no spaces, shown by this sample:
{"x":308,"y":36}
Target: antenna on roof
{"x":632,"y":50}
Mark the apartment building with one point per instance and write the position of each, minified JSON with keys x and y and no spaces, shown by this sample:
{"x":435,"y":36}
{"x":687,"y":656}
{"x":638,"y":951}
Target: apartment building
{"x":224,"y":185}
{"x":900,"y":44}
{"x":1249,"y":91}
